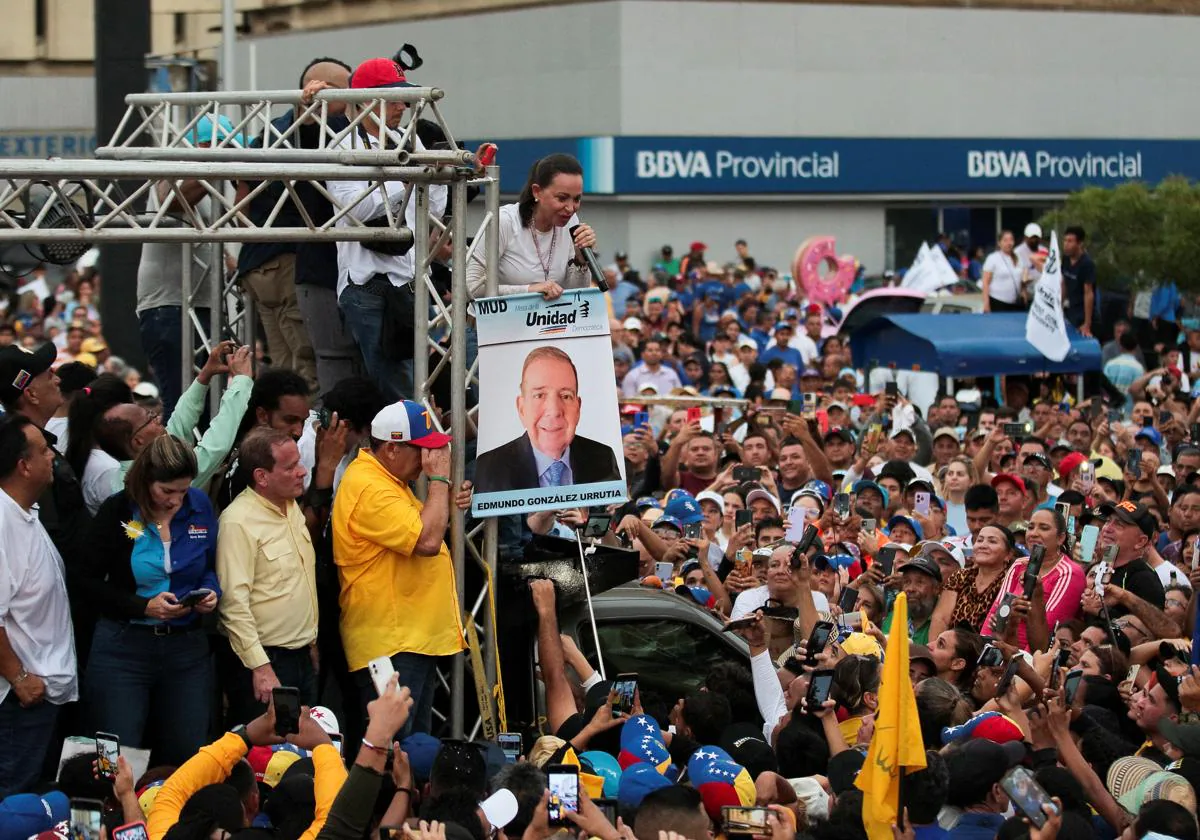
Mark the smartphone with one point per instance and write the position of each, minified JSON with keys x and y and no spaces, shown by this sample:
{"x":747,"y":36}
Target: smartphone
{"x":1003,"y":611}
{"x":1061,"y":658}
{"x":693,"y":414}
{"x":1148,"y":421}
{"x":1016,"y":430}
{"x":1164,"y":417}
{"x":381,"y":669}
{"x":805,"y":543}
{"x":622,"y":691}
{"x":511,"y":745}
{"x":608,"y":807}
{"x":796,"y":407}
{"x":738,"y":624}
{"x":1195,"y":433}
{"x":598,"y":524}
{"x":1195,"y":555}
{"x":1087,"y":476}
{"x":563,"y":784}
{"x":848,"y":599}
{"x":819,"y":638}
{"x":392,"y":832}
{"x":739,"y":820}
{"x":1074,"y":678}
{"x":741,"y":474}
{"x":486,"y":155}
{"x":108,"y":749}
{"x":1064,"y":508}
{"x":891,"y":389}
{"x":781,"y":612}
{"x":1133,"y":673}
{"x":86,"y":819}
{"x":287,"y":710}
{"x":841,"y":505}
{"x":810,"y":405}
{"x":818,"y":689}
{"x":338,"y":742}
{"x":194,"y":597}
{"x":921,"y":502}
{"x":664,"y":571}
{"x":990,"y":657}
{"x":324,"y":417}
{"x":131,"y":831}
{"x":851,"y":621}
{"x":868,"y":527}
{"x":1007,"y":677}
{"x":1114,"y":416}
{"x":694,"y":531}
{"x":1026,"y":794}
{"x":642,"y":418}
{"x":1133,"y":462}
{"x":886,"y":558}
{"x":742,"y":518}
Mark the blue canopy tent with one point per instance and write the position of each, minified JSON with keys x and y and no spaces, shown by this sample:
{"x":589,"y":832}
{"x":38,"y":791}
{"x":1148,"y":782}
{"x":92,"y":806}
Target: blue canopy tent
{"x":965,"y":346}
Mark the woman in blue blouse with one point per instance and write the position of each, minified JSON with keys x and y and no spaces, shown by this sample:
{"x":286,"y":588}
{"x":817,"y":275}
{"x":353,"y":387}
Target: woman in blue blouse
{"x":152,"y":575}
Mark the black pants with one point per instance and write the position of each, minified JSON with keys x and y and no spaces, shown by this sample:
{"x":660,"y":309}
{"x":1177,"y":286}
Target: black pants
{"x":293,"y":668}
{"x":1001,"y":306}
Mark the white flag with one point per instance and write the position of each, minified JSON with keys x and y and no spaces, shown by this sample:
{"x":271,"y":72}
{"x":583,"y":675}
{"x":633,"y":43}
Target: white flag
{"x":943,"y":274}
{"x":914,"y":277}
{"x":1045,"y":328}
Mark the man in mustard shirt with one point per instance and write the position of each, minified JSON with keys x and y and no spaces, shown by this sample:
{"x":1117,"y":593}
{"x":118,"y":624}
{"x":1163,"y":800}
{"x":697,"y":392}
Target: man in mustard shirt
{"x":398,"y":591}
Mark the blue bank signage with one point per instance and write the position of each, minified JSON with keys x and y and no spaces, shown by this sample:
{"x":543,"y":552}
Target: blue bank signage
{"x":905,"y":166}
{"x":66,"y":143}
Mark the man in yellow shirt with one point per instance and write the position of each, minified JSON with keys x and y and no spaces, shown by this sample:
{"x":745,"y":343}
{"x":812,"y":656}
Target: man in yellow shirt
{"x":399,"y":598}
{"x":267,"y":568}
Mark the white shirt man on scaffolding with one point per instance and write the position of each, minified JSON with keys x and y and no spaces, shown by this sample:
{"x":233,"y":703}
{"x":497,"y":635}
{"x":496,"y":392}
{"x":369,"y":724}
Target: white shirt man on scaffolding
{"x":375,"y":283}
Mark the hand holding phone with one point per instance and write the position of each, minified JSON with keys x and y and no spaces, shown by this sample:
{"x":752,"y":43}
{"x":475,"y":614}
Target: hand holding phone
{"x":563,"y":784}
{"x":381,"y":670}
{"x":286,"y":700}
{"x":1026,"y":794}
{"x":921,"y":502}
{"x":108,"y":750}
{"x":624,"y":687}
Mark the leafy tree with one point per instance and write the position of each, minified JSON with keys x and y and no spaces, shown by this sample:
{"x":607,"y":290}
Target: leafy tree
{"x":1138,"y":234}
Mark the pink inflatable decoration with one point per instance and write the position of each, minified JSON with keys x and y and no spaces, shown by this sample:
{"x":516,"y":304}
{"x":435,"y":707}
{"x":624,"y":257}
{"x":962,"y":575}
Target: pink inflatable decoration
{"x":819,"y":252}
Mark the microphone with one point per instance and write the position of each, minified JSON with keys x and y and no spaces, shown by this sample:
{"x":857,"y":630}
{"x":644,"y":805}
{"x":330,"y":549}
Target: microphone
{"x":589,"y":257}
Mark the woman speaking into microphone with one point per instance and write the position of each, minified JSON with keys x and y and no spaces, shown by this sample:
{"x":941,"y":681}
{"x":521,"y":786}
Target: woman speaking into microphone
{"x":538,"y":252}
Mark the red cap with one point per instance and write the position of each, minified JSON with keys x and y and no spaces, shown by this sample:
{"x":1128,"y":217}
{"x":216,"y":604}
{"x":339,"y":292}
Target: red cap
{"x":1070,"y":462}
{"x":698,"y":246}
{"x":1012,"y":479}
{"x":1175,"y":371}
{"x":378,"y":73}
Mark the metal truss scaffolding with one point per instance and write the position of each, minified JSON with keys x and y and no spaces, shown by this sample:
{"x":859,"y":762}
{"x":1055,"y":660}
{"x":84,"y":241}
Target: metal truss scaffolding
{"x":134,"y":191}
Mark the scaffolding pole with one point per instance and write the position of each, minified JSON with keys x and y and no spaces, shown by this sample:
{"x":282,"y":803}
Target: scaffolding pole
{"x":88,"y":205}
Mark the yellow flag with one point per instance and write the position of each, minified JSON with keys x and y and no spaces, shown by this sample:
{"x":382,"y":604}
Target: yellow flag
{"x":896,"y":744}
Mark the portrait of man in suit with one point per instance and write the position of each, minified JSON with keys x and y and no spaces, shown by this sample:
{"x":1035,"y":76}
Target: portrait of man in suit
{"x":549,"y":454}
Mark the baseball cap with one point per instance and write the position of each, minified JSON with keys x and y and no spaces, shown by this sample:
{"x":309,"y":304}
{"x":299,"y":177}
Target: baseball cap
{"x":745,"y":341}
{"x":916,"y":652}
{"x":1033,"y":229}
{"x":23,"y":815}
{"x":710,"y":496}
{"x":1016,"y":480}
{"x":902,"y":430}
{"x":840,"y":432}
{"x":19,"y":366}
{"x":779,"y":395}
{"x":953,"y":549}
{"x":326,"y":719}
{"x":1039,"y":457}
{"x":810,"y":373}
{"x":946,"y":431}
{"x":145,"y":389}
{"x":923,"y":563}
{"x":378,"y":73}
{"x":1135,"y":513}
{"x":645,"y":502}
{"x":808,"y":492}
{"x":407,"y":422}
{"x":760,"y":493}
{"x":860,"y":486}
{"x":698,"y":246}
{"x":633,"y":323}
{"x":1069,"y":462}
{"x":683,"y":509}
{"x":1185,"y":736}
{"x":499,"y":808}
{"x":1149,"y":433}
{"x":860,"y":644}
{"x":909,"y":521}
{"x":93,"y":345}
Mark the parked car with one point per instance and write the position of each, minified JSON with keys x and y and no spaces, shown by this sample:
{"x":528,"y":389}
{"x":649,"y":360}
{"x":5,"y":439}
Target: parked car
{"x":954,"y":304}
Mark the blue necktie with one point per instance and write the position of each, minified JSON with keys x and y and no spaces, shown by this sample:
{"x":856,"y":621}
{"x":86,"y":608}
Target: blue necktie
{"x":554,"y":473}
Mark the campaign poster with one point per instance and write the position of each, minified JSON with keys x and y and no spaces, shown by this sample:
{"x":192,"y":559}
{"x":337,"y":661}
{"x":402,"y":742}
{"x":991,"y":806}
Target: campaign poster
{"x":549,"y":431}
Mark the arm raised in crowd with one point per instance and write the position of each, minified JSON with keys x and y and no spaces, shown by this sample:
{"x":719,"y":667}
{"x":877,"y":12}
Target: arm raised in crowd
{"x":670,"y":461}
{"x":1156,"y":621}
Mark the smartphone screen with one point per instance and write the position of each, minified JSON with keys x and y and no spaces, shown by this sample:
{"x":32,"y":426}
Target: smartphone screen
{"x":819,"y":638}
{"x":1026,"y":794}
{"x":622,"y":691}
{"x":693,"y":531}
{"x":841,"y":505}
{"x":132,"y":831}
{"x":511,"y":746}
{"x":86,"y":817}
{"x":1074,"y":678}
{"x":991,"y":657}
{"x":108,"y":749}
{"x":1133,"y":463}
{"x":563,"y":784}
{"x":740,"y":820}
{"x":597,"y":525}
{"x":818,"y":689}
{"x":868,"y":527}
{"x":746,"y":474}
{"x":848,"y":600}
{"x":885,"y":558}
{"x":608,"y":807}
{"x":1007,"y":677}
{"x":287,"y":710}
{"x":742,"y":518}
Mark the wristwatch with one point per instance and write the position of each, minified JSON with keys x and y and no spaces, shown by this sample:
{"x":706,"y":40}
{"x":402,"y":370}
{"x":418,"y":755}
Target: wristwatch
{"x":240,"y":731}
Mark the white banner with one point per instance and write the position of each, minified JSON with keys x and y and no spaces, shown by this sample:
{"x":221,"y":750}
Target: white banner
{"x":930,"y":271}
{"x":1045,"y":328}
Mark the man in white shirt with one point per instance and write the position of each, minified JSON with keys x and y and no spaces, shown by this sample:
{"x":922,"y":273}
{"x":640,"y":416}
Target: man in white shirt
{"x":375,"y":287}
{"x":781,"y":586}
{"x":1025,"y":251}
{"x":37,"y":648}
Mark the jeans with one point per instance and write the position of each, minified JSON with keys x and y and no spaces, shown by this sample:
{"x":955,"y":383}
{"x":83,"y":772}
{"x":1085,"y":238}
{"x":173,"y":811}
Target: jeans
{"x":25,"y":736}
{"x":364,"y":318}
{"x":336,"y":354}
{"x":162,"y":341}
{"x":151,"y":691}
{"x":418,"y":673}
{"x":293,"y":668}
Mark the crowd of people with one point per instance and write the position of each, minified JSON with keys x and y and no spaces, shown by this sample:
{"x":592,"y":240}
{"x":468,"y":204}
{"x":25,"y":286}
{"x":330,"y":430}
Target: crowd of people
{"x":200,"y":586}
